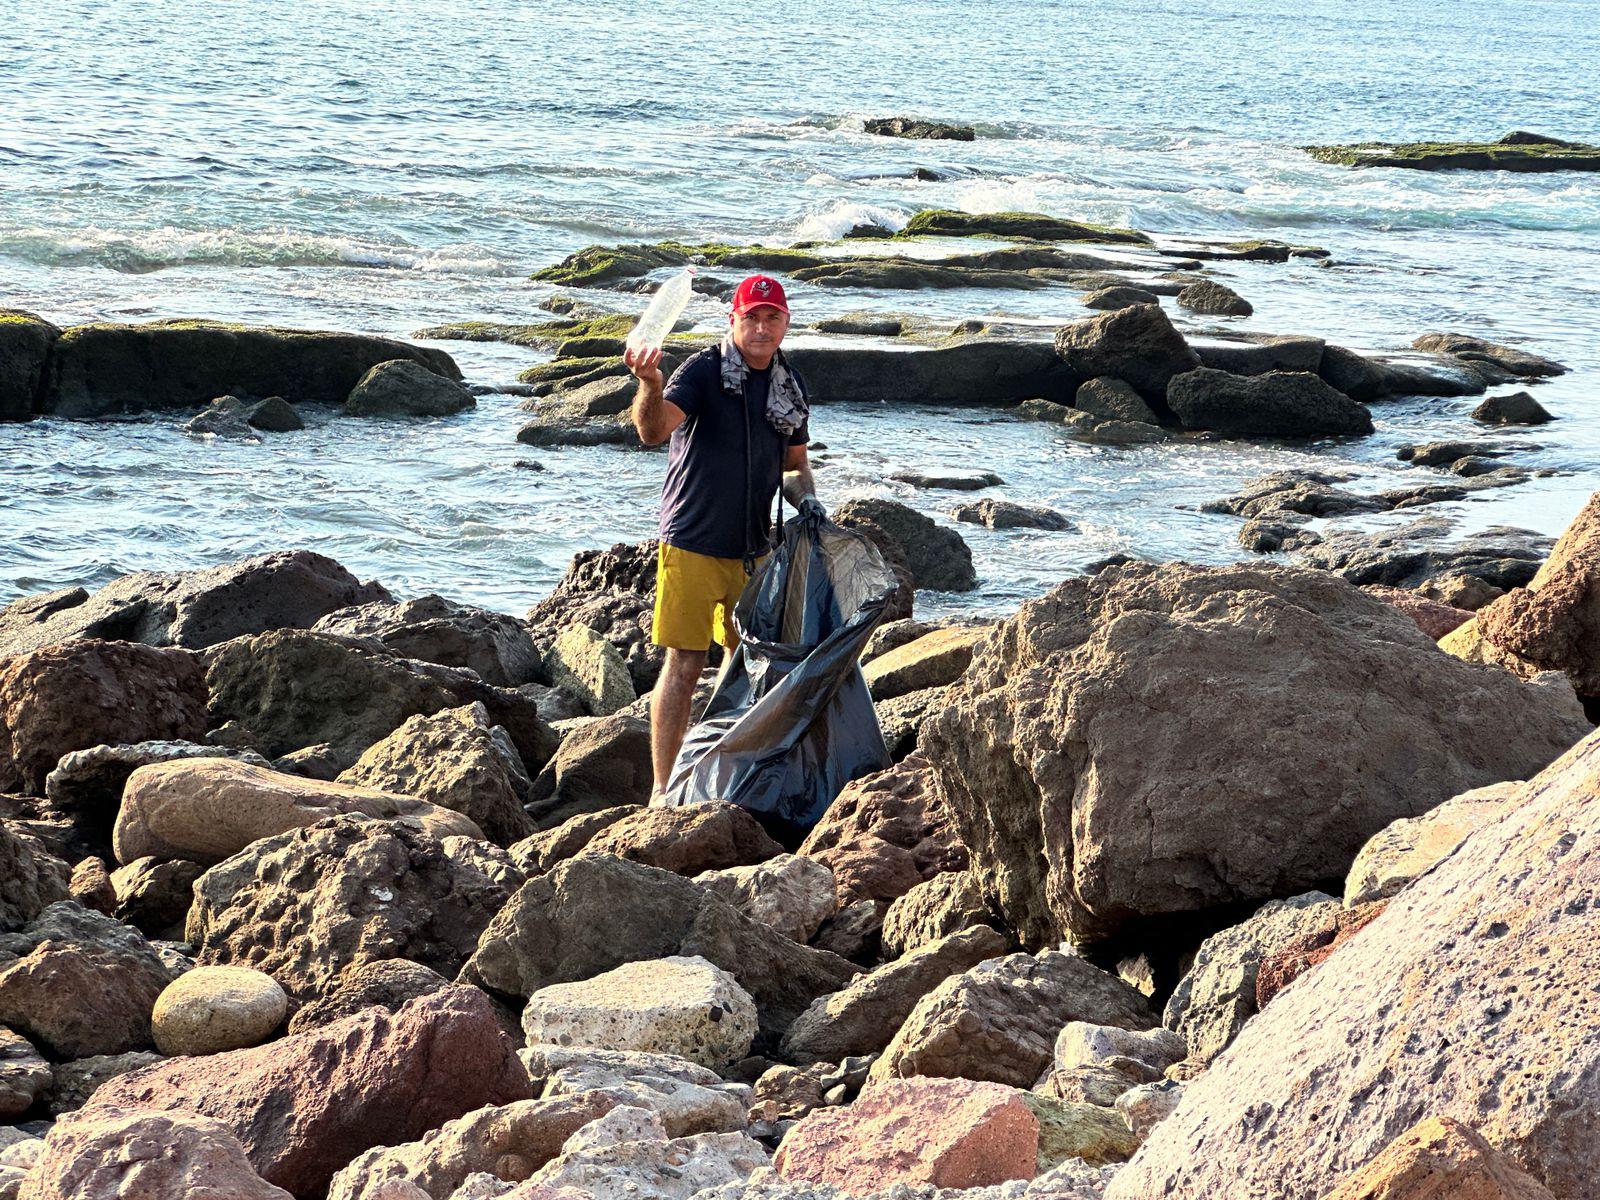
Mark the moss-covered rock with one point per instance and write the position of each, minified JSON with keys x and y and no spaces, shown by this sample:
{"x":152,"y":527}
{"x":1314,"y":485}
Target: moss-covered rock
{"x":1518,"y":151}
{"x":25,"y":342}
{"x":101,"y":369}
{"x":944,"y":222}
{"x":600,"y":266}
{"x":911,"y":127}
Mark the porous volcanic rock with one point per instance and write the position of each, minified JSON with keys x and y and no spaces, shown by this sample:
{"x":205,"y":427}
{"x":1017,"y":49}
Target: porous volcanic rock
{"x":603,"y":764}
{"x":791,"y":893}
{"x":83,"y":693}
{"x":1213,"y":299}
{"x":24,"y":1074}
{"x":305,"y":905}
{"x":947,"y":903}
{"x":1436,"y":1159}
{"x":1404,"y":849}
{"x":687,"y":840}
{"x":31,"y":878}
{"x":1130,"y":709}
{"x":613,"y":592}
{"x":388,"y":983}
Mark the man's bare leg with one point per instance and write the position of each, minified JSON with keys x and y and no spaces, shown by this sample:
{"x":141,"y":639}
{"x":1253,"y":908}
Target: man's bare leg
{"x":669,"y":709}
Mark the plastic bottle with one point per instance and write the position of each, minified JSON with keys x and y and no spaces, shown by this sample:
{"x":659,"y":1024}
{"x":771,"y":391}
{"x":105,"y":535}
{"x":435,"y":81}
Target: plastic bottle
{"x":666,"y":306}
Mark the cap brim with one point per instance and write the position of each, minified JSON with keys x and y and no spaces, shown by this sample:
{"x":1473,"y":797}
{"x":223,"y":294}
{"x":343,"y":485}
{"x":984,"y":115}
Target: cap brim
{"x":783,"y":308}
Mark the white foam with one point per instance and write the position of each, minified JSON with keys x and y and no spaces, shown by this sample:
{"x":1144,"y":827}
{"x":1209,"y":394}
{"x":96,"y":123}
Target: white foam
{"x":843,"y":215}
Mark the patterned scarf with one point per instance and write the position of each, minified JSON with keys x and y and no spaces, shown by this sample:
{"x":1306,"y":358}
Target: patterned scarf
{"x":787,"y":409}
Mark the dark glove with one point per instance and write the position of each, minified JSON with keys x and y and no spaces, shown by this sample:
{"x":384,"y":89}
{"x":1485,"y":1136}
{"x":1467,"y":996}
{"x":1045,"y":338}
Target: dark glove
{"x":811,"y":507}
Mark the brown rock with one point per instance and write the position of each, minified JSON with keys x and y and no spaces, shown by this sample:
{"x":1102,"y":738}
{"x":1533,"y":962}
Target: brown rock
{"x":191,"y":609}
{"x":1108,"y":397}
{"x":1130,"y":709}
{"x":1403,"y":850}
{"x":886,"y":832}
{"x":537,"y":854}
{"x":863,"y":1016}
{"x":1468,"y":998}
{"x":1440,"y":1159}
{"x":31,"y":878}
{"x":305,"y":905}
{"x":76,"y":1081}
{"x":1286,"y":964}
{"x":1553,"y":624}
{"x":113,"y":1154}
{"x":594,"y":912}
{"x":946,"y":904}
{"x":689,"y":840}
{"x":206,"y":809}
{"x":1000,"y":1019}
{"x":613,"y":592}
{"x":437,"y":630}
{"x":86,"y":987}
{"x":789,"y":892}
{"x":1432,"y":617}
{"x":389,"y":984}
{"x":937,"y":557}
{"x":79,"y":694}
{"x":602,"y":764}
{"x":952,"y":1133}
{"x":933,"y":660}
{"x":154,"y":896}
{"x":509,"y":1142}
{"x":1213,"y":299}
{"x":457,"y":759}
{"x":91,"y":886}
{"x":24,"y":1074}
{"x":305,"y":1105}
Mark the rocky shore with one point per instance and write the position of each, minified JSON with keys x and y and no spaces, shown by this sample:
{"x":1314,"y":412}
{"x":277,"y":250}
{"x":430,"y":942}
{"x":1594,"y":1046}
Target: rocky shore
{"x":1184,"y":880}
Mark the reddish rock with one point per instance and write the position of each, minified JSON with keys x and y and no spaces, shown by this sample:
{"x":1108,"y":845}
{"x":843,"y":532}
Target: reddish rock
{"x":78,"y":694}
{"x":1434,"y":617}
{"x":686,"y":841}
{"x":91,"y":886}
{"x":1281,"y":968}
{"x":305,"y":1106}
{"x":1440,"y":1159}
{"x":31,"y":878}
{"x":948,"y":1132}
{"x":886,"y":833}
{"x":109,"y":1154}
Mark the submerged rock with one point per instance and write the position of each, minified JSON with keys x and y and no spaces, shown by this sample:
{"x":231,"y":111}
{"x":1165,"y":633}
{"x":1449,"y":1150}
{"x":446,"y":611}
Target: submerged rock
{"x":403,"y":388}
{"x":102,"y":369}
{"x":1210,"y":298}
{"x":944,"y":222}
{"x":1105,"y":701}
{"x":1514,"y":152}
{"x":1007,"y":514}
{"x":1518,"y":408}
{"x":1408,"y":556}
{"x":1275,"y":404}
{"x":1137,"y":345}
{"x":1478,"y":352}
{"x":25,"y":342}
{"x":912,"y":127}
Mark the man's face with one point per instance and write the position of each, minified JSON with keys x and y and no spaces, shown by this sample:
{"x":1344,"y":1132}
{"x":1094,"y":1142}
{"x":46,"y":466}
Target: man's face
{"x":759,"y":330}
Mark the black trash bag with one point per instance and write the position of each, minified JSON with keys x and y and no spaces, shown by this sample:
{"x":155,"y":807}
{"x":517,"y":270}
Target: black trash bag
{"x":791,"y":721}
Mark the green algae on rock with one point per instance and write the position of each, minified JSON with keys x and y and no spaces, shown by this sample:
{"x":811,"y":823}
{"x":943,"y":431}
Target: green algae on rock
{"x":944,"y":222}
{"x":1517,"y":151}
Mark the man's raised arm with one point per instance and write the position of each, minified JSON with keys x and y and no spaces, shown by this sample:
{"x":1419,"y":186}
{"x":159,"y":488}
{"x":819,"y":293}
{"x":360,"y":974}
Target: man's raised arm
{"x":653,"y":416}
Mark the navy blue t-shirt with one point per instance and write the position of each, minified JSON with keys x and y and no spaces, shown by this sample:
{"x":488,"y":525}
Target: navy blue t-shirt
{"x":706,"y":506}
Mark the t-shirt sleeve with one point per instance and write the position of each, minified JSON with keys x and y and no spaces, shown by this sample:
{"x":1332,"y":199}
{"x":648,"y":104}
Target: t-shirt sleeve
{"x":688,"y":384}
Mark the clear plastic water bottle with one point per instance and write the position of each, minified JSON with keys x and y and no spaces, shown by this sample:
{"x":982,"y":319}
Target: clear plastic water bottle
{"x":666,"y":306}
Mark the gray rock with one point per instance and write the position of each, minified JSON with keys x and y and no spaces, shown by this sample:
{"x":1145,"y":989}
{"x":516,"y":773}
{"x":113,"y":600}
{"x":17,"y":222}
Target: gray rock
{"x":938,"y":558}
{"x":1104,"y":396}
{"x":1137,"y":345}
{"x":31,"y":878}
{"x":24,"y":1075}
{"x":25,"y":343}
{"x":540,"y":852}
{"x":437,"y":630}
{"x":687,"y":1097}
{"x":224,"y":417}
{"x":911,"y":127}
{"x":1477,"y":352}
{"x":274,"y":415}
{"x":154,"y":896}
{"x":1410,"y":555}
{"x":387,"y":983}
{"x":948,"y":903}
{"x":1210,"y":298}
{"x":791,"y":894}
{"x":1276,"y":404}
{"x":1353,"y":374}
{"x":1118,"y":296}
{"x":402,"y":388}
{"x":955,"y":481}
{"x":1518,"y":408}
{"x":1007,"y":514}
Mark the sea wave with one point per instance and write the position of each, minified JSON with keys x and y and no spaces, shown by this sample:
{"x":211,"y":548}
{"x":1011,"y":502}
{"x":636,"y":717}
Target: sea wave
{"x":841,"y":216}
{"x":142,"y":251}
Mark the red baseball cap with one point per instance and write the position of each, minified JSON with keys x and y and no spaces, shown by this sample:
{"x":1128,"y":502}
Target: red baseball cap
{"x":759,"y":290}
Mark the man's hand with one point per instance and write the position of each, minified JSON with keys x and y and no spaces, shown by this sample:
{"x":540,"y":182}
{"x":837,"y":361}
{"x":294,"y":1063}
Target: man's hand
{"x":645,"y":365}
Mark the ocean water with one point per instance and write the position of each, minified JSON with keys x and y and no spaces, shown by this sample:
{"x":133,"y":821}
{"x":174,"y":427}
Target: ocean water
{"x":383,"y":168}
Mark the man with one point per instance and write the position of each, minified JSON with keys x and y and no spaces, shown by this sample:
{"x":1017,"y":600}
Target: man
{"x":737,"y":415}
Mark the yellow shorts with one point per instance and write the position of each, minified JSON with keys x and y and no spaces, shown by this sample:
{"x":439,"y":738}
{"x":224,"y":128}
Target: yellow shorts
{"x":695,"y":595}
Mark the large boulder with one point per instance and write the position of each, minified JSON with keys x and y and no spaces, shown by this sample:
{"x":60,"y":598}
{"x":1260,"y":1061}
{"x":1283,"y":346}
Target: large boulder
{"x":1553,"y":623}
{"x":1276,"y":404}
{"x":403,"y":388}
{"x":886,"y":833}
{"x":24,"y":1075}
{"x":456,"y":759}
{"x":98,"y":370}
{"x":937,"y":556}
{"x":25,"y":342}
{"x":583,"y":663}
{"x":31,"y":878}
{"x":948,"y":903}
{"x":1218,"y":993}
{"x":1404,"y":849}
{"x":305,"y":905}
{"x":791,"y":893}
{"x":1103,"y":755}
{"x":952,"y":1133}
{"x":1137,"y":345}
{"x":113,"y":1154}
{"x":999,"y":1020}
{"x":687,"y":840}
{"x":613,"y":592}
{"x":79,"y":694}
{"x":933,"y":660}
{"x":290,"y":689}
{"x":593,"y":913}
{"x":538,"y":853}
{"x":603,"y":764}
{"x":388,"y":983}
{"x":863,"y":1016}
{"x":206,"y":809}
{"x":305,"y":1105}
{"x":508,"y":1141}
{"x":85,"y":987}
{"x":1438,"y":1158}
{"x":437,"y":630}
{"x":680,"y":1005}
{"x":687,"y":1097}
{"x":286,"y":589}
{"x":1468,"y":998}
{"x":154,"y":896}
{"x":86,"y":785}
